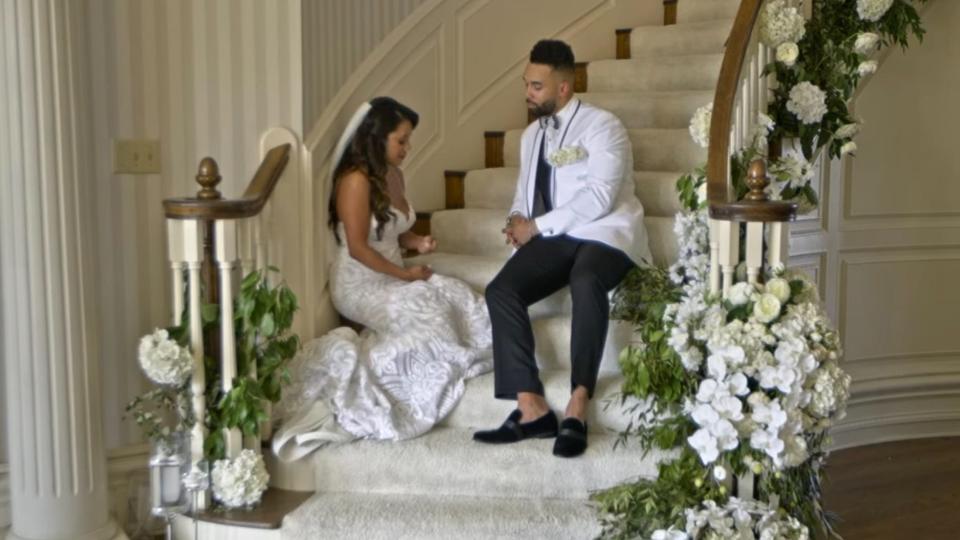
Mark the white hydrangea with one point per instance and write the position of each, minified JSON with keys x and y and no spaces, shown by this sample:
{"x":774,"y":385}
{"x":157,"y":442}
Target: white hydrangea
{"x":781,"y":22}
{"x":873,"y":10}
{"x":808,"y":102}
{"x":700,"y":125}
{"x":241,"y":481}
{"x":830,"y":388}
{"x":163,"y":360}
{"x":848,"y":148}
{"x":787,"y":53}
{"x":866,"y":43}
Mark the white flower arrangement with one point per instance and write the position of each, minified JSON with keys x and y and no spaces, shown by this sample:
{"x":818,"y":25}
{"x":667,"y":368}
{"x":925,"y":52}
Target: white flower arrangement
{"x":787,"y":53}
{"x":240,"y":481}
{"x":163,"y":360}
{"x":700,"y":125}
{"x":873,"y":10}
{"x":567,"y":155}
{"x":808,"y":102}
{"x":781,"y":22}
{"x":848,"y":148}
{"x":775,"y":338}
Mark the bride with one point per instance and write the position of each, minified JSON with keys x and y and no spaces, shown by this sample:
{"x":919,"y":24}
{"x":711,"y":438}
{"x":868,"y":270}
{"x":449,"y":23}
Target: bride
{"x":424,"y":333}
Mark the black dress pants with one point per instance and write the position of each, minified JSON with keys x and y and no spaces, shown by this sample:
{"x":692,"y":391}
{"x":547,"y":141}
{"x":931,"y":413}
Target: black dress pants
{"x":538,"y":269}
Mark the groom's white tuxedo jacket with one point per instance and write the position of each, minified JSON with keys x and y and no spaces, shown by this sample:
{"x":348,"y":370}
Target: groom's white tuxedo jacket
{"x":593,"y":192}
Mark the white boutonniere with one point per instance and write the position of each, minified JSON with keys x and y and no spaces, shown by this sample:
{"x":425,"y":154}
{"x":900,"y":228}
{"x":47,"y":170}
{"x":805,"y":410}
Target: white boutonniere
{"x":567,"y":156}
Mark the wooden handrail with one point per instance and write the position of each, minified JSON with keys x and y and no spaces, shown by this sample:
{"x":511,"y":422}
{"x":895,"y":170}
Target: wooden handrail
{"x":208,"y":204}
{"x":724,"y":102}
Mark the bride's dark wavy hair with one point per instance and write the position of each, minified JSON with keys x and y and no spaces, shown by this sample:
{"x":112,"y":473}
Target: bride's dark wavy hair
{"x":367,"y":152}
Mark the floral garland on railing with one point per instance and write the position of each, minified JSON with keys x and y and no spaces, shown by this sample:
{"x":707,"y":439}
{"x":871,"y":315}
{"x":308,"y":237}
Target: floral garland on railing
{"x":752,"y":383}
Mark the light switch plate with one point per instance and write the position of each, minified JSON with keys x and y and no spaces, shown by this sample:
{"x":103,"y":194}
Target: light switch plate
{"x":136,"y":156}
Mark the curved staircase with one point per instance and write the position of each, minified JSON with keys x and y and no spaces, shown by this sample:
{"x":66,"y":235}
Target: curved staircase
{"x":443,"y":485}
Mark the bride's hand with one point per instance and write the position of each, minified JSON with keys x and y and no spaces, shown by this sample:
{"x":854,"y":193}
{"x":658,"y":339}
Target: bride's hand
{"x":420,"y":271}
{"x":427,"y":244}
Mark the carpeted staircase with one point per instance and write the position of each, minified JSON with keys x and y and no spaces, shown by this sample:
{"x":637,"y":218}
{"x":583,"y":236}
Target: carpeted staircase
{"x":443,"y":485}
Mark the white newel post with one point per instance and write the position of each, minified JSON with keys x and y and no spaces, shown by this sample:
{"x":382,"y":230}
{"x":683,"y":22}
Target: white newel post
{"x":50,"y":342}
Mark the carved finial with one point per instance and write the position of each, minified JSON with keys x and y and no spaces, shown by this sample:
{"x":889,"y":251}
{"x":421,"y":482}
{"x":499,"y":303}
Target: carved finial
{"x":757,"y":181}
{"x":208,"y":176}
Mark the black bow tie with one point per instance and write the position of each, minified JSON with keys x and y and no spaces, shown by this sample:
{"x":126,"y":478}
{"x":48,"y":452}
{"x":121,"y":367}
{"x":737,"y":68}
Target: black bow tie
{"x":548,"y":120}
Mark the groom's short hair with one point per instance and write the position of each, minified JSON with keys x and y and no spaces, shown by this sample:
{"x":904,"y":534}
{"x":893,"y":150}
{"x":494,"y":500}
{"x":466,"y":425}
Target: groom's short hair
{"x":553,"y":53}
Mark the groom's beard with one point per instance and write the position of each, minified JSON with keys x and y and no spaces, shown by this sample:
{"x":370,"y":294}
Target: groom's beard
{"x":546,"y":108}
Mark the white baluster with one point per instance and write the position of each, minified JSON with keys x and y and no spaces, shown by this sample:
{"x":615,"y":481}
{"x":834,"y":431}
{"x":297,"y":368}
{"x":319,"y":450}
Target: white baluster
{"x":729,"y":237}
{"x":245,"y":237}
{"x":778,"y":242}
{"x":754,"y":250}
{"x":175,"y":255}
{"x":714,"y":257}
{"x":260,"y":248}
{"x":193,"y":255}
{"x":225,"y":247}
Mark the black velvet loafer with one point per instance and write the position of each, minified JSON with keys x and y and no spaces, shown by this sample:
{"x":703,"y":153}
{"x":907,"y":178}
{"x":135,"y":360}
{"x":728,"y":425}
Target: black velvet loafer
{"x":512,"y":430}
{"x":572,"y":439}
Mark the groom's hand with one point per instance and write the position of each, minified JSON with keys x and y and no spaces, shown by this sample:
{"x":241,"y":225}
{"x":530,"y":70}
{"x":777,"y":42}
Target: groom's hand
{"x":522,"y":230}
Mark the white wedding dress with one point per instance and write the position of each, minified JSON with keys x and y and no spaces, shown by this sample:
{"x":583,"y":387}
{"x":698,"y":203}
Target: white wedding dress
{"x":399,"y":377}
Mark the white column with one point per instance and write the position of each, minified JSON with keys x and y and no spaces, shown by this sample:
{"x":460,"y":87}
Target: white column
{"x":58,"y":483}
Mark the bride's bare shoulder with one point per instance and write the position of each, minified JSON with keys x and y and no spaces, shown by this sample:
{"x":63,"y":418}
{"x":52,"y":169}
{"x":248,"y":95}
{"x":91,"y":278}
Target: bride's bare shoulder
{"x":353,"y":181}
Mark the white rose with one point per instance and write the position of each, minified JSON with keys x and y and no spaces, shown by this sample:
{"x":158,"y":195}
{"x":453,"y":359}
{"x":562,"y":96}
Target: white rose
{"x":788,"y":53}
{"x":767,"y":308}
{"x":780,"y":288}
{"x":848,"y":148}
{"x":847,"y":130}
{"x":866,"y":43}
{"x":867,"y":67}
{"x":740,"y":293}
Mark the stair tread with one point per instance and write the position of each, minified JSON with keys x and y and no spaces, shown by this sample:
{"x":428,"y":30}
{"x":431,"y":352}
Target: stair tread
{"x":371,"y":516}
{"x":446,"y":461}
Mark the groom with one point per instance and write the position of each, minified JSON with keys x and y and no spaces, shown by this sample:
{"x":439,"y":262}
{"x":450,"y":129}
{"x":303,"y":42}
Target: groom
{"x":575,"y":222}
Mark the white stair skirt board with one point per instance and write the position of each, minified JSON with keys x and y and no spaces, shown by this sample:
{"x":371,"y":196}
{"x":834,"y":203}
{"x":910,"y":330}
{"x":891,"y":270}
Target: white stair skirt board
{"x":348,"y":516}
{"x":446,"y":461}
{"x":493,"y":189}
